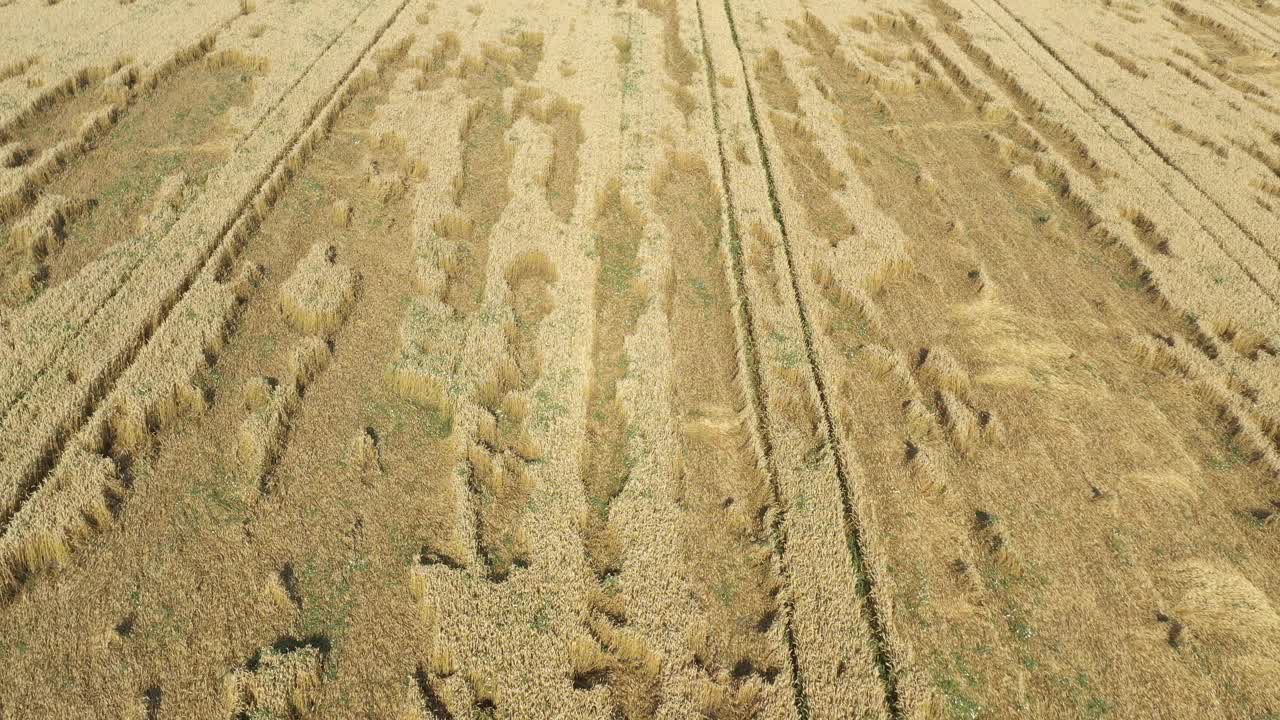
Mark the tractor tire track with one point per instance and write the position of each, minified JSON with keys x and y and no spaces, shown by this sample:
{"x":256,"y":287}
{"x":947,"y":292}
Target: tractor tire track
{"x":853,"y":526}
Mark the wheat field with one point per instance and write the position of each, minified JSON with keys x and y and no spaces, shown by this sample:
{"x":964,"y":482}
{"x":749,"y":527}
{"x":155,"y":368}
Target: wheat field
{"x":640,"y":359}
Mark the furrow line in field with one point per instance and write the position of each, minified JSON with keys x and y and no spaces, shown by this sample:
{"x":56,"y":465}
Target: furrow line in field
{"x":752,"y":361}
{"x":852,"y":522}
{"x":1164,"y":156}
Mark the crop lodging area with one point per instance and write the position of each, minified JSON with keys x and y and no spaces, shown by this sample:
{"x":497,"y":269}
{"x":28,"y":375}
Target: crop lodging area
{"x":640,"y":359}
